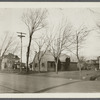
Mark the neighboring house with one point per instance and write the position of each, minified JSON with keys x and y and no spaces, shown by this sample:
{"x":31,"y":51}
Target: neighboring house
{"x":93,"y":64}
{"x":48,"y":63}
{"x":10,"y":61}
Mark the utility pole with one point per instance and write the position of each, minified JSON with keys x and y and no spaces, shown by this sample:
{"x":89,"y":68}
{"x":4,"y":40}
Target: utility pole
{"x":21,"y":35}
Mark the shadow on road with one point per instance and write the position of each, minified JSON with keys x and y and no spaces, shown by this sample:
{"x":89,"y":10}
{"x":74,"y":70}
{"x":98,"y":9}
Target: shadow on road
{"x":14,"y":90}
{"x":43,"y":90}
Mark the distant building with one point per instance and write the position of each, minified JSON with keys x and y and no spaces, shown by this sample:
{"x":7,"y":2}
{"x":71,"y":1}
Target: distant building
{"x":93,"y":64}
{"x":48,"y":63}
{"x":10,"y":61}
{"x":99,"y":61}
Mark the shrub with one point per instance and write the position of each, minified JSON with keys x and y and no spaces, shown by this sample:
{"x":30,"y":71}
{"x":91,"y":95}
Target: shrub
{"x":93,"y":78}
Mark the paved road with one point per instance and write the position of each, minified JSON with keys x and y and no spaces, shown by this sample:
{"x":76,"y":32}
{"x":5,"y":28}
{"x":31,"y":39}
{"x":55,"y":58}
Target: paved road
{"x":78,"y":87}
{"x":13,"y":83}
{"x":30,"y":84}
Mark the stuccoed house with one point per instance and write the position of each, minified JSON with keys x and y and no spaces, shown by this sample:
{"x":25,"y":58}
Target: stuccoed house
{"x":10,"y":61}
{"x":48,"y":63}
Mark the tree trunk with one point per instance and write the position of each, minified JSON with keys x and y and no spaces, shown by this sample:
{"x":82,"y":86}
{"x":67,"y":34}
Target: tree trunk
{"x":1,"y":64}
{"x":79,"y":66}
{"x":77,"y":51}
{"x":28,"y":52}
{"x":56,"y":63}
{"x":39,"y":66}
{"x":33,"y":65}
{"x":80,"y":71}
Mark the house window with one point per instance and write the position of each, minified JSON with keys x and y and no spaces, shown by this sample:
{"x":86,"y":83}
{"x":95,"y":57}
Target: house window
{"x":43,"y":65}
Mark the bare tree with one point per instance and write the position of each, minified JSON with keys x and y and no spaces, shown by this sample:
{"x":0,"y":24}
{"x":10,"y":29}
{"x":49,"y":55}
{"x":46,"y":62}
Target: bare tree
{"x":60,"y":41}
{"x":14,"y":50}
{"x":34,"y":20}
{"x":6,"y":45}
{"x":81,"y":35}
{"x":42,"y":45}
{"x":78,"y":39}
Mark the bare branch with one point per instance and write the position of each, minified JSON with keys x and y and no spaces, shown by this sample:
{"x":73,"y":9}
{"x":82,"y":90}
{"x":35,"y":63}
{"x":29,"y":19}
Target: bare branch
{"x":34,"y":20}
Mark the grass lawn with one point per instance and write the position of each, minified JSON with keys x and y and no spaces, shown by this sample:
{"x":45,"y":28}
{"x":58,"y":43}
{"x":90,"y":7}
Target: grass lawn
{"x":71,"y":74}
{"x":86,"y":74}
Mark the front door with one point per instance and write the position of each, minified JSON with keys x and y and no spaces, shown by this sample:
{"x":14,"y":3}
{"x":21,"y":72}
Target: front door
{"x":51,"y":66}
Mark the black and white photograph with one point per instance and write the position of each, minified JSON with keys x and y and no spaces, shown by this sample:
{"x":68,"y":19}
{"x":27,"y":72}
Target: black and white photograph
{"x":49,"y":49}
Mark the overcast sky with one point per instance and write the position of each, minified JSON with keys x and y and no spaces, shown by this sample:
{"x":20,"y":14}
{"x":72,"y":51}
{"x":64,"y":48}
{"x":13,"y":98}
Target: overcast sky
{"x":10,"y":20}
